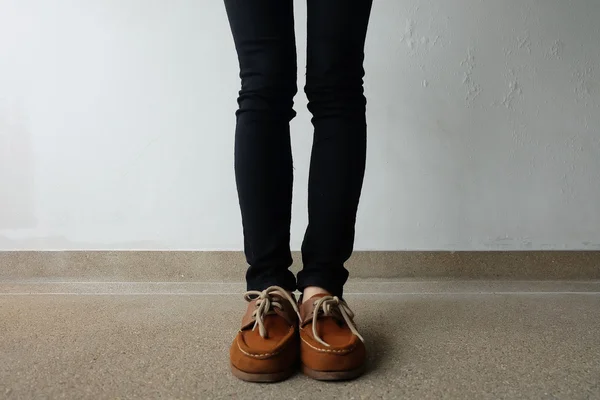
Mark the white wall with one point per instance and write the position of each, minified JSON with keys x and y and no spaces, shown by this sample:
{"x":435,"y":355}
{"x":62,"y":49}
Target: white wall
{"x":116,"y":125}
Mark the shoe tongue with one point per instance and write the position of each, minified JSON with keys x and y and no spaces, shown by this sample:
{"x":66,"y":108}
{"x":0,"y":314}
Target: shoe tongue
{"x":318,"y":296}
{"x":306,"y":306}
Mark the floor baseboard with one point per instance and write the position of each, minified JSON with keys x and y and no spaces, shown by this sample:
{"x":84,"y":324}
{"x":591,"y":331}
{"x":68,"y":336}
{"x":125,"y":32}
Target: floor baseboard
{"x":195,"y":266}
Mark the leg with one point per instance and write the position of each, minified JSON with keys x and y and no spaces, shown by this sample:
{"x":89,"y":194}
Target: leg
{"x":334,"y":86}
{"x":263,"y":32}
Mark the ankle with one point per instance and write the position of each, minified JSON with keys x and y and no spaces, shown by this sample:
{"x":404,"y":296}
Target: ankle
{"x":312,"y":291}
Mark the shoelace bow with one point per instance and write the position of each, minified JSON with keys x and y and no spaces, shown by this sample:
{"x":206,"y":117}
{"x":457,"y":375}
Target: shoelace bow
{"x":265,"y":302}
{"x":334,"y":307}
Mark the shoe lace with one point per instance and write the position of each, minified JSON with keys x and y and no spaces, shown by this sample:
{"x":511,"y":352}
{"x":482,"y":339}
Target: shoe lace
{"x":335,"y":307}
{"x":265,"y":302}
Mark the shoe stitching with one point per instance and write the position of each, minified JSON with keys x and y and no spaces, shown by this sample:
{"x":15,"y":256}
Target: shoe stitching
{"x":260,"y":355}
{"x":327,"y":350}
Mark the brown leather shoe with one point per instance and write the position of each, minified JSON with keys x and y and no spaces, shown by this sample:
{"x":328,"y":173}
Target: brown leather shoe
{"x":266,"y":347}
{"x":331,"y":348}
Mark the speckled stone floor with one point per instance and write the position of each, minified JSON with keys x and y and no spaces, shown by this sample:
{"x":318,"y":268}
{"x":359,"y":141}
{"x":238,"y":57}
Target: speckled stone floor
{"x":427,"y":340}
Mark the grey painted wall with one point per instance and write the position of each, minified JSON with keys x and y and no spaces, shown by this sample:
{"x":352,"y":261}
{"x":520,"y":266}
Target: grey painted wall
{"x":116,"y":125}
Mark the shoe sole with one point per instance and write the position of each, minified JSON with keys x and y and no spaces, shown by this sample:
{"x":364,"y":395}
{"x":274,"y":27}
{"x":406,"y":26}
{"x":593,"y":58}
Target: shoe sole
{"x":333,"y":375}
{"x":261,"y":378}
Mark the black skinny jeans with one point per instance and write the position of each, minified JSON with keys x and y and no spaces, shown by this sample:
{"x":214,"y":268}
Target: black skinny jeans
{"x":263,"y":31}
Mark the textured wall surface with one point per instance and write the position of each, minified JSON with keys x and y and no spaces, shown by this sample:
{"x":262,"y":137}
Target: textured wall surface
{"x":116,"y":125}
